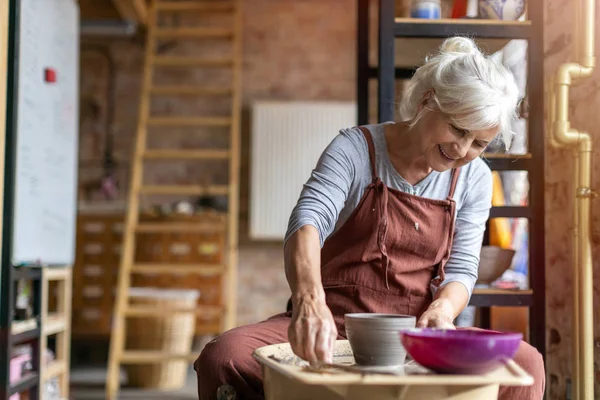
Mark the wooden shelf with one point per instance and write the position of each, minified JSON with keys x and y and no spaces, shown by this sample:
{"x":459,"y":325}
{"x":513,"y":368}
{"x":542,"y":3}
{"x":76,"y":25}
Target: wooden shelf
{"x":26,"y":273}
{"x":57,"y":273}
{"x":501,"y":298}
{"x":18,"y":327}
{"x":54,"y":369}
{"x":481,"y":28}
{"x":55,"y":323}
{"x":29,"y":381}
{"x":24,"y":331}
{"x":461,"y":21}
{"x":510,"y":212}
{"x":506,"y":156}
{"x":509,"y":164}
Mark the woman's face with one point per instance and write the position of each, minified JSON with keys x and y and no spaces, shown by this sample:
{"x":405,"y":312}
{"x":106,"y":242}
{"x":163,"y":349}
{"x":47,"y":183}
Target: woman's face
{"x":446,"y":146}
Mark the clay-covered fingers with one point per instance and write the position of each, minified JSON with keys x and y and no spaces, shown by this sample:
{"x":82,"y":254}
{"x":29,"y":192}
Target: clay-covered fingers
{"x":302,"y":338}
{"x":435,"y":320}
{"x":312,"y":333}
{"x":325,"y":341}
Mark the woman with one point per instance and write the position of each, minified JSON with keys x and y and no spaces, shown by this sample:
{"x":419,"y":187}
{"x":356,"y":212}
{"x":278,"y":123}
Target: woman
{"x":391,"y":220}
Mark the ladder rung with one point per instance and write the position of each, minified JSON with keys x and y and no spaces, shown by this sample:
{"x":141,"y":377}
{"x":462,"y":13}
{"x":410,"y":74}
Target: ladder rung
{"x":160,"y":227}
{"x":151,"y":357}
{"x":143,"y":311}
{"x":190,"y":121}
{"x":194,"y":32}
{"x":164,"y":268}
{"x":173,"y":61}
{"x":198,"y":190}
{"x":190,"y":91}
{"x":186,"y":154}
{"x":192,"y":5}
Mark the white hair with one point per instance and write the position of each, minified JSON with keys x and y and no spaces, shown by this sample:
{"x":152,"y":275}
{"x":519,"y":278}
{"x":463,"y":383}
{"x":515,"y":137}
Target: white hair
{"x":473,"y":91}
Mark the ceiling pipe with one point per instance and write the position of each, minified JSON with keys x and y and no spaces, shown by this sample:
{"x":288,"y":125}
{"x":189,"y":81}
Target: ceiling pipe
{"x":116,"y":28}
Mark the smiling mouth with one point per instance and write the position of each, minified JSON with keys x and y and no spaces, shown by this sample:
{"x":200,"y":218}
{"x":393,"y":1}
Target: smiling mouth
{"x":444,"y":154}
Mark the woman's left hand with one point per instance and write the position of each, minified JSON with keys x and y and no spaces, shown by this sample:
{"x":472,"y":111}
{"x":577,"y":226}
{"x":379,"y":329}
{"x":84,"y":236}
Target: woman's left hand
{"x":438,"y":315}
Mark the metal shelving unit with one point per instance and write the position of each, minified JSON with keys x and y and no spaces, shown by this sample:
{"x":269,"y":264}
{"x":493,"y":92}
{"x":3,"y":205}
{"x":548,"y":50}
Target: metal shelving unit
{"x":35,"y":330}
{"x":386,"y":73}
{"x":28,"y":331}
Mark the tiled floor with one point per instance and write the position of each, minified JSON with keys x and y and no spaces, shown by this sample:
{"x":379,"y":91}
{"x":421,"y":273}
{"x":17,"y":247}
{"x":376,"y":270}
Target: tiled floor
{"x":88,"y":384}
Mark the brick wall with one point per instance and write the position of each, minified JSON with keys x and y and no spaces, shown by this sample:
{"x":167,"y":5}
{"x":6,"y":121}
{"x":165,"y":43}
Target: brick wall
{"x":293,"y":50}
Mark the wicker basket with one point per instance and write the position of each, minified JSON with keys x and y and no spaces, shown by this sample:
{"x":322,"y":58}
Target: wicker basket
{"x":171,"y":333}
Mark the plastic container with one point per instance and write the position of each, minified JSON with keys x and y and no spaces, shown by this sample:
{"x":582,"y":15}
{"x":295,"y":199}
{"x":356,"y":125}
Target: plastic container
{"x":426,"y":9}
{"x":18,"y":366}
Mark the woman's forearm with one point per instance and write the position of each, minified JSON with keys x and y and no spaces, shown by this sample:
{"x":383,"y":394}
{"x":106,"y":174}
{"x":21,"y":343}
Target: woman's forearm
{"x":452,"y":298}
{"x":302,"y":257}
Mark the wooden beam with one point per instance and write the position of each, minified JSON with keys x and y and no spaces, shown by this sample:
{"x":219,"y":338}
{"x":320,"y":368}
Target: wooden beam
{"x":132,"y":10}
{"x":141,"y":8}
{"x":98,"y":10}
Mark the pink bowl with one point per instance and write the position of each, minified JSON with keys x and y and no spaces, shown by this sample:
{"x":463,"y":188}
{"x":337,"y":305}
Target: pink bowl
{"x":460,"y":351}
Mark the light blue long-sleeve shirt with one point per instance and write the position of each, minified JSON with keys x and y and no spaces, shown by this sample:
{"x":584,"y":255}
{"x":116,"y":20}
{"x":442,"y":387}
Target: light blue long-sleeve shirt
{"x":343,"y":172}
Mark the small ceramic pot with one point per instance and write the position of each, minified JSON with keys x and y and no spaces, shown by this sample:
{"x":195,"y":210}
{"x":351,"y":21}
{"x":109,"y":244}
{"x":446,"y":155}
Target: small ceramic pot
{"x":508,"y":10}
{"x":493,"y":262}
{"x":375,"y":338}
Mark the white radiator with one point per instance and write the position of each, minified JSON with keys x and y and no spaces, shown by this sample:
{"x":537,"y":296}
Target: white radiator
{"x":287,"y":139}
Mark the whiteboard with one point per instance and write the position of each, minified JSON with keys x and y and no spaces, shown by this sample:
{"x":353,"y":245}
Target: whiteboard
{"x":44,"y":225}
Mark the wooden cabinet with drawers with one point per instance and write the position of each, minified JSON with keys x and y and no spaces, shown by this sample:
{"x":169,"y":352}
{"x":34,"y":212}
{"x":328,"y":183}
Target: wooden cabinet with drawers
{"x":99,"y":240}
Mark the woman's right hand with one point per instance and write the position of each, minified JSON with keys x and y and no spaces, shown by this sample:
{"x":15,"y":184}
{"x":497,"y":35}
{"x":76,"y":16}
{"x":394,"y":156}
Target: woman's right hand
{"x":312,"y":332}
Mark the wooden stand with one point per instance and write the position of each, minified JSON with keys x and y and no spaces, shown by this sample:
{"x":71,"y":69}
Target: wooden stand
{"x":56,"y":323}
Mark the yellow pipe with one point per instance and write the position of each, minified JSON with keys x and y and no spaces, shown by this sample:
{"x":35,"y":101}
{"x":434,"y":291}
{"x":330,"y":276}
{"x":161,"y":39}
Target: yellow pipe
{"x":576,"y":319}
{"x":586,"y":279}
{"x":588,"y":14}
{"x":561,"y":135}
{"x":551,"y":107}
{"x":583,"y":372}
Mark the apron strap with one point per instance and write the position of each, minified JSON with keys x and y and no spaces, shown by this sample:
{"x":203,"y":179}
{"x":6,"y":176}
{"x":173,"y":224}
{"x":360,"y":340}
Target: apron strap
{"x":371,"y":145}
{"x":451,"y":211}
{"x":382,"y":228}
{"x":455,"y":174}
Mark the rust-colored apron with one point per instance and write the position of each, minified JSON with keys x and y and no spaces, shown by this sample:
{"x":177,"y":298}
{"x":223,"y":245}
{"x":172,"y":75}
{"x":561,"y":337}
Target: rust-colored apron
{"x":389,"y":251}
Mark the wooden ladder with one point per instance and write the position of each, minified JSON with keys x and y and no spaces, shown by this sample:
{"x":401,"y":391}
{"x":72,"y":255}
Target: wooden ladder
{"x":118,"y":354}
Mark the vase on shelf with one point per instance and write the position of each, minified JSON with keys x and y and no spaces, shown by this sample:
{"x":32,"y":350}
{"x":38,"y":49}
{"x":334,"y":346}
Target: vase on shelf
{"x":507,"y":10}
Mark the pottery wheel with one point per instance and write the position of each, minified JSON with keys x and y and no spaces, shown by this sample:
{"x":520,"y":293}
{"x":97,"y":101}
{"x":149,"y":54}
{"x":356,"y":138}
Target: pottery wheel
{"x":344,"y":359}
